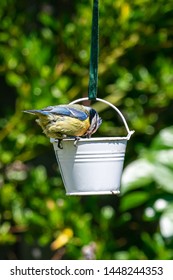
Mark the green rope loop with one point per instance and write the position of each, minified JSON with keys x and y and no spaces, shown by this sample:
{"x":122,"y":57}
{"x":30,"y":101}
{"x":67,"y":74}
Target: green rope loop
{"x":94,"y":52}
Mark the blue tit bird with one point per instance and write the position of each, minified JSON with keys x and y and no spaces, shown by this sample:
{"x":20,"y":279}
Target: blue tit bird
{"x":67,"y":120}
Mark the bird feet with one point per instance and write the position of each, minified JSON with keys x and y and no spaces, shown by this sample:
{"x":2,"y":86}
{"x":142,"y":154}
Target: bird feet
{"x":77,"y":138}
{"x":60,"y":146}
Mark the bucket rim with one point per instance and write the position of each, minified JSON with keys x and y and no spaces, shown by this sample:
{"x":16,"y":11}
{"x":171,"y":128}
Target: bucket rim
{"x":93,"y":139}
{"x":81,"y":193}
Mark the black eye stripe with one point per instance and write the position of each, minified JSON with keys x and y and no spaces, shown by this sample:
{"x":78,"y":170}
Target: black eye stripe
{"x":92,"y":114}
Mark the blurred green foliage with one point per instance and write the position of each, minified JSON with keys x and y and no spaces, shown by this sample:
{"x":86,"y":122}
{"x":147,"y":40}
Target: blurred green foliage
{"x":44,"y":60}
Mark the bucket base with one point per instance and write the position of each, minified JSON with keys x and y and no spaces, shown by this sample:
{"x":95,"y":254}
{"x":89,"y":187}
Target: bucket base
{"x":93,"y":193}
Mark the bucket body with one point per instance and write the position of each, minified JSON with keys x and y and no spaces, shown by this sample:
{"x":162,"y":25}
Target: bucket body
{"x":93,"y":167}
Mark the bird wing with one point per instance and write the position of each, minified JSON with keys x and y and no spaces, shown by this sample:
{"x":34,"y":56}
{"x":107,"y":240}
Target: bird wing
{"x":65,"y":111}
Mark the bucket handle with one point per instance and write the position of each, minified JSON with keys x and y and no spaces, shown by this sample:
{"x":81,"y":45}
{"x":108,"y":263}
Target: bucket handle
{"x":129,"y":132}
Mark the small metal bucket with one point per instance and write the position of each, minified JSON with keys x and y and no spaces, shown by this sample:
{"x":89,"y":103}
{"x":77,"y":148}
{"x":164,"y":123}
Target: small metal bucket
{"x":95,"y":166}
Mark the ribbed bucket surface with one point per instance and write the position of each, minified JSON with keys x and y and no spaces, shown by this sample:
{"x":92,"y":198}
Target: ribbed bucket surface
{"x":93,"y":167}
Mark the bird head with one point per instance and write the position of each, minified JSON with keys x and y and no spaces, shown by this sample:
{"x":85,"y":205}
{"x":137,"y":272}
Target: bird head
{"x":95,"y":121}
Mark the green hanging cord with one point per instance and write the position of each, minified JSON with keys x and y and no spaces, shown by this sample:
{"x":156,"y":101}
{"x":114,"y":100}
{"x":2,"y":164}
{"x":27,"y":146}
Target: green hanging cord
{"x":93,"y":70}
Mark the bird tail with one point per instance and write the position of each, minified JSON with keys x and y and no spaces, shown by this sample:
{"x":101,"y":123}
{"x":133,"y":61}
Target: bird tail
{"x":36,"y":112}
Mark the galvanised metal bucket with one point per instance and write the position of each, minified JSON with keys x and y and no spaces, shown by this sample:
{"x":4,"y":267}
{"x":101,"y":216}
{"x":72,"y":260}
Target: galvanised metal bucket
{"x":95,"y":166}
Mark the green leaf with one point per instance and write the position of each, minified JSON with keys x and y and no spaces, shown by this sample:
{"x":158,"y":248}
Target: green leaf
{"x":163,"y":157}
{"x":137,"y":174}
{"x":166,"y":222}
{"x":164,"y":177}
{"x":133,"y":200}
{"x":164,"y":139}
